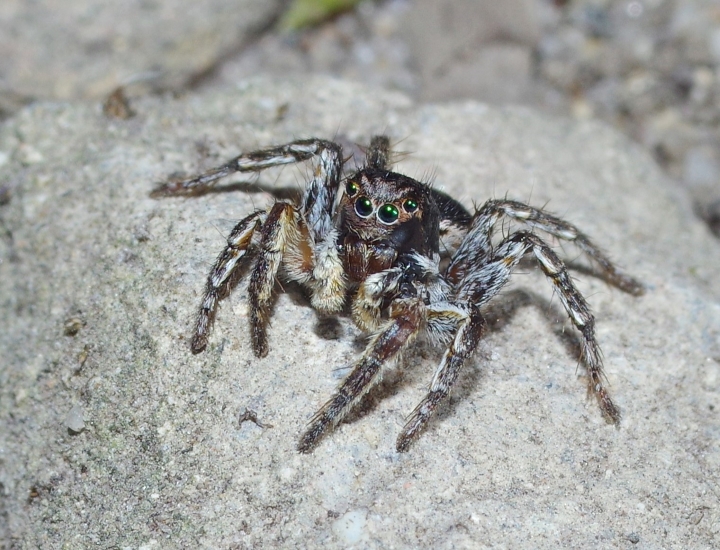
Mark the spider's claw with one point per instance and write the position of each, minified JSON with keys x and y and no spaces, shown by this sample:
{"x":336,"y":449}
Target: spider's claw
{"x":198,"y":344}
{"x":409,"y":433}
{"x":418,"y":420}
{"x":329,"y":415}
{"x":609,"y":410}
{"x":258,"y":333}
{"x":310,"y":439}
{"x":260,"y":348}
{"x":163,"y":190}
{"x":628,"y":284}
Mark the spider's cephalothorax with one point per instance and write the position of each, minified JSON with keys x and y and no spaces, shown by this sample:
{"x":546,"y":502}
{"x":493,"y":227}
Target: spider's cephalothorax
{"x":383,"y":215}
{"x":378,"y":238}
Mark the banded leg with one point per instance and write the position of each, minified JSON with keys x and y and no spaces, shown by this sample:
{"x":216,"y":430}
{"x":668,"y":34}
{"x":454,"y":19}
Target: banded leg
{"x":478,"y":241}
{"x":319,"y":205}
{"x":255,"y":161}
{"x":221,"y":276}
{"x":463,"y":345}
{"x":480,"y":286}
{"x":406,"y":319}
{"x":280,"y":229}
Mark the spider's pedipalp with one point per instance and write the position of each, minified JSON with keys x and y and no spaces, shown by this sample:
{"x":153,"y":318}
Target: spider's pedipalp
{"x":407,"y":317}
{"x":228,"y":262}
{"x":367,"y":305}
{"x":464,"y":343}
{"x":443,"y":320}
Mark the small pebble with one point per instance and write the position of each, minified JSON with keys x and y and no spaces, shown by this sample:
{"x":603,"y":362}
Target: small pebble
{"x":75,"y":421}
{"x":350,"y":528}
{"x":72,"y":326}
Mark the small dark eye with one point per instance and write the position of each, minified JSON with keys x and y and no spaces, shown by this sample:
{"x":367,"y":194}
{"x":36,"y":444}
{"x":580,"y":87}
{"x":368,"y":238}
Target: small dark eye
{"x":363,"y":207}
{"x":410,"y":205}
{"x":351,"y":188}
{"x":388,"y":213}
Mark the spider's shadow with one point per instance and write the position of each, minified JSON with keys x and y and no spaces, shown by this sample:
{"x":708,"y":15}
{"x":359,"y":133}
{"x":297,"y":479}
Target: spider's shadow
{"x":288,"y":193}
{"x":498,"y":315}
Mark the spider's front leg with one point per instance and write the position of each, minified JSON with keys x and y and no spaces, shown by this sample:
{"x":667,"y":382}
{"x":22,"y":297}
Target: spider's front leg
{"x":317,"y":213}
{"x":317,"y":207}
{"x":407,"y":316}
{"x":471,"y":326}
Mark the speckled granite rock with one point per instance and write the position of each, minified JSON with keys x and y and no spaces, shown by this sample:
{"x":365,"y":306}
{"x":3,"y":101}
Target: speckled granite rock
{"x":113,"y":434}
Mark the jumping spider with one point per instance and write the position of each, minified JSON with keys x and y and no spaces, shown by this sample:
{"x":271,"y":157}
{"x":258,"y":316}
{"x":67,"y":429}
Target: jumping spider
{"x":410,"y":258}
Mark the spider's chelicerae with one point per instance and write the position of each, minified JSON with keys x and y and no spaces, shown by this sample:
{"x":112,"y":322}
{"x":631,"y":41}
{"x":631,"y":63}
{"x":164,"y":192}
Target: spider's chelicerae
{"x":408,"y":257}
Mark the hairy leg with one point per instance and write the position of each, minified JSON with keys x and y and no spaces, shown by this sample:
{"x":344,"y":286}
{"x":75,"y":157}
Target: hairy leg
{"x":279,"y":230}
{"x":406,"y":318}
{"x":484,"y":281}
{"x":478,"y":242}
{"x":232,"y":258}
{"x":254,"y":161}
{"x":466,"y":339}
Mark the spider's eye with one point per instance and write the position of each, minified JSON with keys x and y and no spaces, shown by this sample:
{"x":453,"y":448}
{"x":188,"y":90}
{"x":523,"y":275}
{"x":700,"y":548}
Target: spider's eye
{"x":363,"y":207}
{"x":351,"y":188}
{"x":388,"y":213}
{"x":410,"y":205}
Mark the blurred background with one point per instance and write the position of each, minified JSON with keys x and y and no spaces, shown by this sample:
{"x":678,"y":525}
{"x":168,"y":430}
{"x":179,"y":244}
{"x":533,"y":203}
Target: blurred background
{"x":650,"y":68}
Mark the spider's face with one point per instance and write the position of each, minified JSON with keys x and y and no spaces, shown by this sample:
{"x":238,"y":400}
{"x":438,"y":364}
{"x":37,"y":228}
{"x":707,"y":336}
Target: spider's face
{"x":392,"y":209}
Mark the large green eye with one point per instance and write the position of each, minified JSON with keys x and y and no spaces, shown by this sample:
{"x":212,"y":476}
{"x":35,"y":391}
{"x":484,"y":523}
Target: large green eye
{"x":388,"y":213}
{"x":410,"y":205}
{"x":351,"y":188}
{"x":363,"y":207}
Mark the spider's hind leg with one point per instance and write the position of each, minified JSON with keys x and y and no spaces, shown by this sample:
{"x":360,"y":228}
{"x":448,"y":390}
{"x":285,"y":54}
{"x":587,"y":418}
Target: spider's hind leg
{"x":485,"y":280}
{"x":493,"y":210}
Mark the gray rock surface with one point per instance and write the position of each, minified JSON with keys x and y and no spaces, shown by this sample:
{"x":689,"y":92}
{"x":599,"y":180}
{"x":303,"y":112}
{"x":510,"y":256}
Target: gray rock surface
{"x":99,"y":286}
{"x":86,"y":48}
{"x":469,"y":49}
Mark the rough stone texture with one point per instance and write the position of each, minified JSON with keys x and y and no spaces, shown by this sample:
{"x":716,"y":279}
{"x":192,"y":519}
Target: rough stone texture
{"x":466,"y":48}
{"x":112,"y":434}
{"x":86,"y":48}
